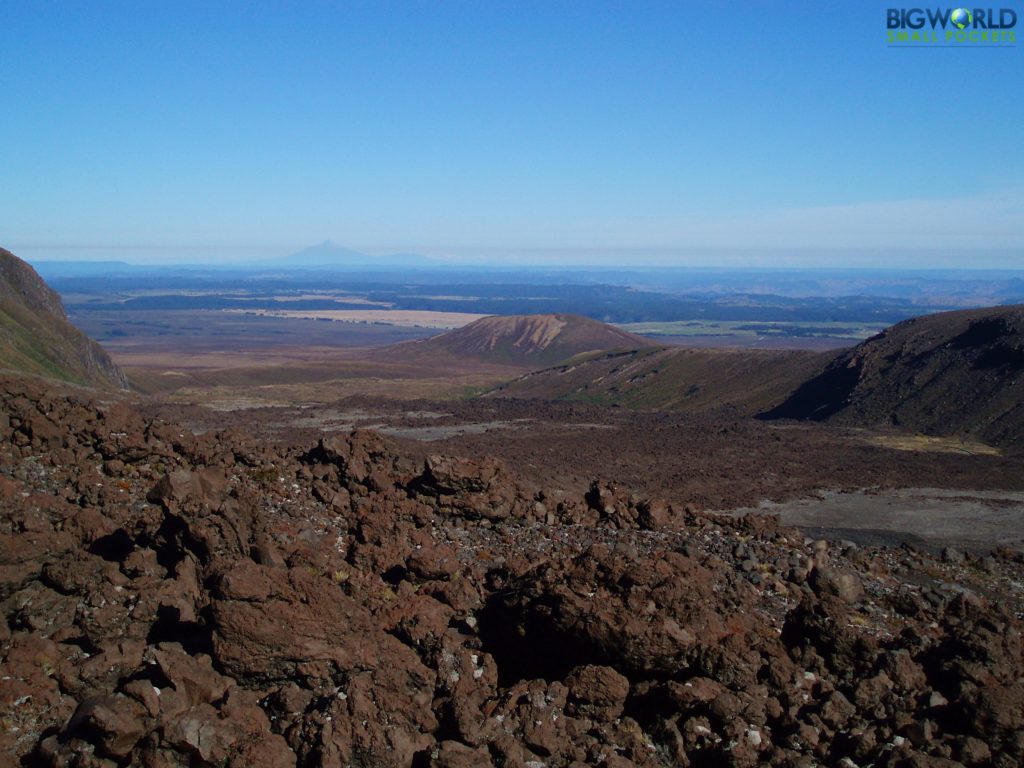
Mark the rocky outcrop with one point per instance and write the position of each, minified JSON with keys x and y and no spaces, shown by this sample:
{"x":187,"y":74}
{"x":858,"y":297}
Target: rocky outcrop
{"x":180,"y":600}
{"x":36,"y":337}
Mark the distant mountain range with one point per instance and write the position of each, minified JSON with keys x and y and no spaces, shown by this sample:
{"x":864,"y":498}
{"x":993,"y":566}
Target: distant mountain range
{"x":331,"y":255}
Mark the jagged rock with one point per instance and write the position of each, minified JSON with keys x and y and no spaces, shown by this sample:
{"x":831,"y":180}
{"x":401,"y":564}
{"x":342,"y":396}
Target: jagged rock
{"x":193,"y":677}
{"x":845,"y":585}
{"x":655,"y":514}
{"x":599,"y":691}
{"x":837,"y":710}
{"x":452,"y":754}
{"x":433,"y":561}
{"x":362,"y":459}
{"x":470,"y":489}
{"x":333,"y":606}
{"x":205,"y":485}
{"x":116,"y":723}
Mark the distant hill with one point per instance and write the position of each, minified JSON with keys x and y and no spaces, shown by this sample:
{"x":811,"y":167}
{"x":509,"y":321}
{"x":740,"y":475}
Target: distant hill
{"x":529,"y":340}
{"x":953,"y":373}
{"x":36,"y":337}
{"x":672,"y":378}
{"x":331,"y":255}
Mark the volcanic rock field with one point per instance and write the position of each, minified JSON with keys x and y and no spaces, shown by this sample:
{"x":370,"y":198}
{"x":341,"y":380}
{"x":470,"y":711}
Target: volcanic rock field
{"x":181,"y":600}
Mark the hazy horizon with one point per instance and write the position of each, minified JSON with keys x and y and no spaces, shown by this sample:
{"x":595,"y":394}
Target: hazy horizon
{"x":581,"y":259}
{"x":530,"y":133}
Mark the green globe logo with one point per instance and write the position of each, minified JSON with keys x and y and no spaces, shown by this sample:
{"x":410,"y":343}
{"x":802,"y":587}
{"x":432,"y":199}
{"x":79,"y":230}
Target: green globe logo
{"x":962,"y":18}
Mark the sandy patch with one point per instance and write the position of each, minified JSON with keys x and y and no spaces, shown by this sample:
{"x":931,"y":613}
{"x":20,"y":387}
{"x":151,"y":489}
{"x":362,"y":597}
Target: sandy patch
{"x":930,"y":517}
{"x":930,"y":444}
{"x":404,"y":318}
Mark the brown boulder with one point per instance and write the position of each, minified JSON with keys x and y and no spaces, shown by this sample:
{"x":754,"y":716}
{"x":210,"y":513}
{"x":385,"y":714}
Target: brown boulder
{"x":204,"y":486}
{"x":191,"y":676}
{"x":200,"y":734}
{"x":845,"y":585}
{"x":433,"y":561}
{"x":114,"y":723}
{"x":362,"y":458}
{"x":466,"y":488}
{"x":602,"y":608}
{"x":598,"y":690}
{"x":453,"y":754}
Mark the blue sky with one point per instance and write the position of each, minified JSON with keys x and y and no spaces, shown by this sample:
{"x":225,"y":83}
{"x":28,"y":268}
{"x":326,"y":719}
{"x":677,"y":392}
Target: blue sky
{"x":671,"y":132}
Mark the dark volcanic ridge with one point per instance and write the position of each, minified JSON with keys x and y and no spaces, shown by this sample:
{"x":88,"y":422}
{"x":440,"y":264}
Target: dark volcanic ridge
{"x":953,"y":373}
{"x":672,"y":379}
{"x":531,"y":340}
{"x":36,"y":337}
{"x":221,"y":600}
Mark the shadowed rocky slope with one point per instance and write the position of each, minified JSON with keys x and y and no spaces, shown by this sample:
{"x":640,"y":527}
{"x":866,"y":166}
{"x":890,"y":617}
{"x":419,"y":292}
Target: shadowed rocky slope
{"x":217,"y":600}
{"x":531,"y":340}
{"x":36,"y":337}
{"x":950,"y":373}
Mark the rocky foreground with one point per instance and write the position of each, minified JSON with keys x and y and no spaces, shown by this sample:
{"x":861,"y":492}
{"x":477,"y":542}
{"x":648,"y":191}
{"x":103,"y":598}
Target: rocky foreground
{"x":181,"y":600}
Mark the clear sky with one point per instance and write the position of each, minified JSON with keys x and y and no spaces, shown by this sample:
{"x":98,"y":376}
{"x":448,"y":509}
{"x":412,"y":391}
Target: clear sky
{"x":674,"y":132}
